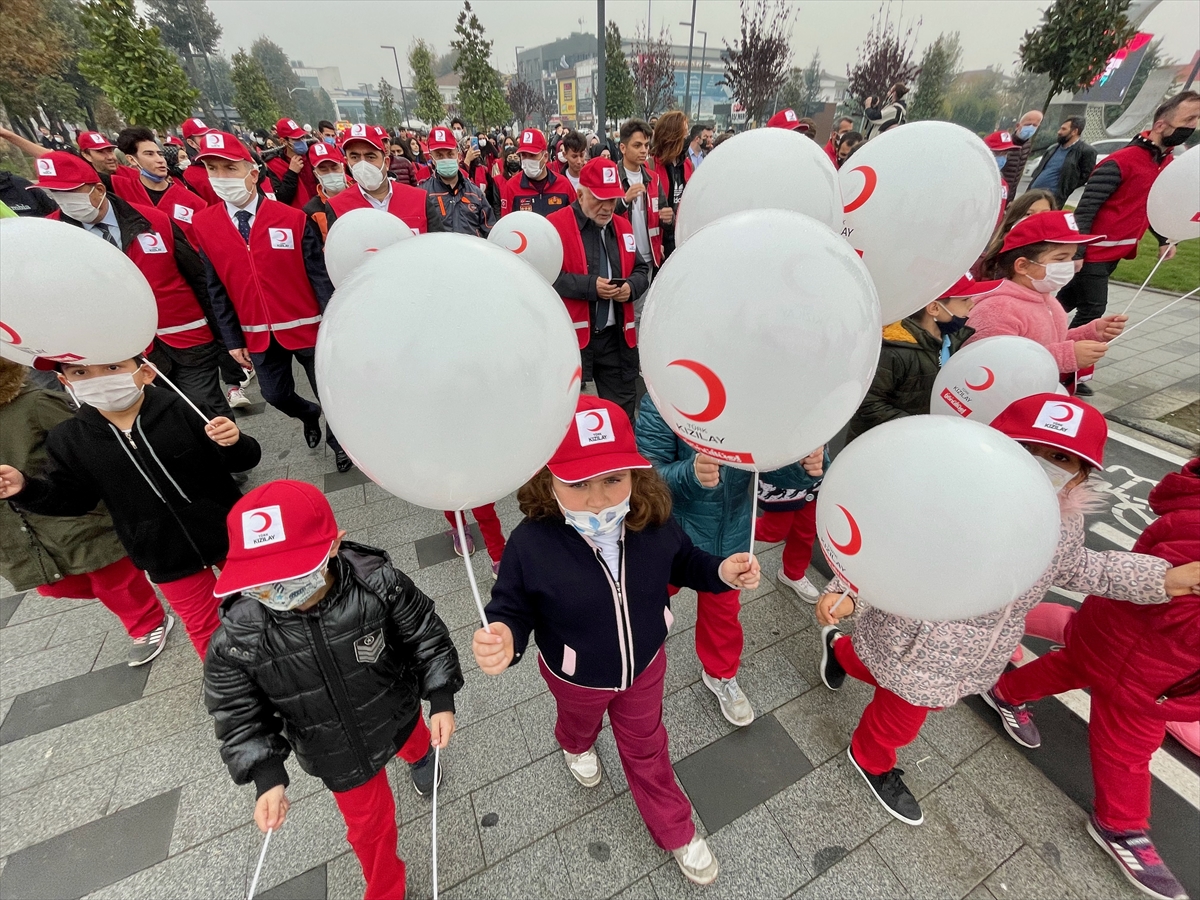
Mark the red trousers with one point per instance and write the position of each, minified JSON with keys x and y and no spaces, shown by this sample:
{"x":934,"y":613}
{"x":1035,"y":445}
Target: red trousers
{"x":719,"y":637}
{"x":370,"y":814}
{"x":122,"y":588}
{"x":489,"y":527}
{"x":636,"y":717}
{"x":192,"y":597}
{"x":798,"y":529}
{"x":889,"y":721}
{"x":1120,"y":739}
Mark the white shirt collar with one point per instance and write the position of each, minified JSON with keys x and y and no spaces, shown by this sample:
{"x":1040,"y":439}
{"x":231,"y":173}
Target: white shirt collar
{"x":251,"y":207}
{"x":380,"y":204}
{"x":110,"y":219}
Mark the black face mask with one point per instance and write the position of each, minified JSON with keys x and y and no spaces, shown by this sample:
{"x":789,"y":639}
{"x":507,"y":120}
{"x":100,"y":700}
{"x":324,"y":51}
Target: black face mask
{"x":955,"y":324}
{"x":1177,"y":137}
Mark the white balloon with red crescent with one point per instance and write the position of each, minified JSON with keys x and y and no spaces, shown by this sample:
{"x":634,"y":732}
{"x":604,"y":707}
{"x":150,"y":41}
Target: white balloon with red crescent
{"x":801,"y":179}
{"x":358,"y":234}
{"x":984,"y":377}
{"x":1173,"y":204}
{"x":921,"y":204}
{"x":533,"y":239}
{"x":759,"y":337}
{"x":65,"y":295}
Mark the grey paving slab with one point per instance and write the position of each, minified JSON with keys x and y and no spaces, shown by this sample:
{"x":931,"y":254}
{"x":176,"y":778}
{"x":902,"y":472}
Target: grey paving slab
{"x":821,"y":721}
{"x":689,"y":727}
{"x":347,"y":497}
{"x":768,"y":620}
{"x":482,"y":752}
{"x":731,"y":776}
{"x":345,"y":878}
{"x":35,"y":670}
{"x":86,"y":620}
{"x":93,"y":855}
{"x":8,"y":606}
{"x":484,"y":695}
{"x":178,"y":664}
{"x":536,"y":872}
{"x":533,"y":802}
{"x":683,"y":666}
{"x":35,"y":606}
{"x":963,"y":840}
{"x":639,"y":890}
{"x":462,"y":637}
{"x":956,"y":732}
{"x":768,"y":680}
{"x":23,"y":639}
{"x":924,"y":769}
{"x":170,"y":762}
{"x":858,"y":875}
{"x":440,"y":547}
{"x":537,"y":716}
{"x":459,"y":852}
{"x":211,"y":806}
{"x":24,"y":763}
{"x":73,"y":699}
{"x":608,"y":849}
{"x":1024,"y":874}
{"x":336,"y":481}
{"x":310,"y":885}
{"x":314,"y":832}
{"x":39,"y":813}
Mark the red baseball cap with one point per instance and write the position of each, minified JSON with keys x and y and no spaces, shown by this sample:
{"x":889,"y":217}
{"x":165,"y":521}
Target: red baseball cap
{"x":785,"y":118}
{"x":967,"y":286}
{"x":289,"y":130}
{"x":372,"y":134}
{"x":322,"y":152}
{"x":172,"y":141}
{"x":281,"y":530}
{"x":600,"y":176}
{"x":999,"y":140}
{"x":599,"y":440}
{"x":93,"y":140}
{"x":1053,"y":226}
{"x":1056,"y":421}
{"x":62,"y":171}
{"x":193,"y":127}
{"x":532,"y":141}
{"x":442,"y":138}
{"x":222,"y":145}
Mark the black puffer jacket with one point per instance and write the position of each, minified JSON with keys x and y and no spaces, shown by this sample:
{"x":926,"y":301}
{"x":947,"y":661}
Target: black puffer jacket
{"x":341,"y":684}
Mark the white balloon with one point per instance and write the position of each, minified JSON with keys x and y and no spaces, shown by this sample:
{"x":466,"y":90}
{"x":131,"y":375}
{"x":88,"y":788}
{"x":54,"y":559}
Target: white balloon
{"x":1173,"y":204}
{"x":533,"y":239}
{"x":768,"y":168}
{"x":68,"y":295}
{"x":760,"y":338}
{"x":917,"y":542}
{"x":452,"y":391}
{"x":984,"y":377}
{"x":357,"y":234}
{"x":921,"y":204}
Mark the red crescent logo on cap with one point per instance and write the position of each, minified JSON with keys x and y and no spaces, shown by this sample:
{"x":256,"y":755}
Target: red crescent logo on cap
{"x":599,"y":421}
{"x":524,"y":242}
{"x":8,"y":335}
{"x":987,"y":382}
{"x":716,"y":391}
{"x":266,"y":522}
{"x":1070,"y":413}
{"x":870,"y":180}
{"x":853,"y":545}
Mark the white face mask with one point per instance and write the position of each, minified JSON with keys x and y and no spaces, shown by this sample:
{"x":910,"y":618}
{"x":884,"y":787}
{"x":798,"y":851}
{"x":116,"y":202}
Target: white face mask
{"x":332,"y":182}
{"x":231,"y":190}
{"x":367,"y":174}
{"x":282,"y":596}
{"x":111,"y":393}
{"x":76,"y":206}
{"x":532,"y":168}
{"x":1058,"y":275}
{"x":1059,"y":477}
{"x":592,"y":524}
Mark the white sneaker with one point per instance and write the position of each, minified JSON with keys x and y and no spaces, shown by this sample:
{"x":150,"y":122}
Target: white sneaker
{"x":237,"y":397}
{"x":697,"y":862}
{"x":734,"y":706}
{"x":805,"y":588}
{"x":585,"y":767}
{"x":250,"y":373}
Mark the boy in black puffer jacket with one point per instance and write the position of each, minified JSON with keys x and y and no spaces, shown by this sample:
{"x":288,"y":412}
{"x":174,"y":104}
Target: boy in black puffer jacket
{"x":327,"y":650}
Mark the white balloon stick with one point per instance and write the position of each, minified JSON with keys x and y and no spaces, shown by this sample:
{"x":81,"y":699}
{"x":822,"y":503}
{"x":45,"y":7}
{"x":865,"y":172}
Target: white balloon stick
{"x":1125,"y":311}
{"x":176,"y":389}
{"x":834,"y":608}
{"x":437,"y":755}
{"x":753,"y":511}
{"x":1152,"y":315}
{"x":462,"y":541}
{"x":258,"y":870}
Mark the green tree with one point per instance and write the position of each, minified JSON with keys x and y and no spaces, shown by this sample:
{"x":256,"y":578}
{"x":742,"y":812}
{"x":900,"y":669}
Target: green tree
{"x":758,"y":62}
{"x":974,"y":101}
{"x":939,"y":66}
{"x":479,"y":96}
{"x":1074,"y":42}
{"x":389,"y":116}
{"x":32,"y":47}
{"x":444,"y":64}
{"x":278,"y":70}
{"x":252,"y":92}
{"x":370,"y":113}
{"x":429,"y":99}
{"x":190,"y":29}
{"x":69,"y":92}
{"x":619,"y":94}
{"x":129,"y":62}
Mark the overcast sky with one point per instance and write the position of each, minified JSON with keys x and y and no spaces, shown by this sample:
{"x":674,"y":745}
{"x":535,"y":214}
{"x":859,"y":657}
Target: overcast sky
{"x":331,"y":32}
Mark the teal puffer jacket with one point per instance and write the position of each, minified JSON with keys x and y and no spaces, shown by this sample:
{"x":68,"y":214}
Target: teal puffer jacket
{"x":716,"y":519}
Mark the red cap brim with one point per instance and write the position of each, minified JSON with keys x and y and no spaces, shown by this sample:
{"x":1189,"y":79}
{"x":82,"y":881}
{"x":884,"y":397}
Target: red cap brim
{"x":978,"y":289}
{"x":296,"y":562}
{"x":593,"y":466}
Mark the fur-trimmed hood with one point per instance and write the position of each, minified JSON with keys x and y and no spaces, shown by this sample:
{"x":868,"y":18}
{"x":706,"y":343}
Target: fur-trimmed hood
{"x":12,"y":377}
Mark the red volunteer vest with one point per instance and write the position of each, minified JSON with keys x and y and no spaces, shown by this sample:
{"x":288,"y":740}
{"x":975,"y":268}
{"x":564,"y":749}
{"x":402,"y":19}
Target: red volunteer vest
{"x":306,"y":189}
{"x":181,"y":321}
{"x":407,"y":203}
{"x":575,"y":263}
{"x":266,"y":280}
{"x":1122,"y":218}
{"x":177,"y":202}
{"x":197,"y":176}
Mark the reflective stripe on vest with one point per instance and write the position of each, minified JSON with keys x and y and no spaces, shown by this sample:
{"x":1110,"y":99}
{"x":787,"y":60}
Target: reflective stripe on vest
{"x":176,"y":329}
{"x":1124,"y":243}
{"x":295,"y":323}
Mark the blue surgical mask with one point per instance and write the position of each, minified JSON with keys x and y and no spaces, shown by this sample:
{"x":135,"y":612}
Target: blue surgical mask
{"x":591,"y":524}
{"x":1000,"y":160}
{"x":300,"y":147}
{"x":331,"y":141}
{"x":157,"y":179}
{"x":1025,"y":132}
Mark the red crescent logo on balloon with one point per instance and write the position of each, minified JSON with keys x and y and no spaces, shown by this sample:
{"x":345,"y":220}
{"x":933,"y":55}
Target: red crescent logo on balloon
{"x":853,"y":545}
{"x":599,"y":421}
{"x":716,"y":391}
{"x":1068,"y":417}
{"x":524,"y":242}
{"x":987,"y":382}
{"x":870,"y":180}
{"x":577,"y":375}
{"x":8,"y":335}
{"x":266,"y":522}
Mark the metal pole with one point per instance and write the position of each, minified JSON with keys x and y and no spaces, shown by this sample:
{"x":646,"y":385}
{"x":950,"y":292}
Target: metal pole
{"x":208,"y":65}
{"x":601,"y":122}
{"x":703,"y":60}
{"x":399,"y":78}
{"x":687,"y":99}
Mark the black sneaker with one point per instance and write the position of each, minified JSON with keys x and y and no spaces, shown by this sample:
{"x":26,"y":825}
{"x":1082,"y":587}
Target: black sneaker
{"x":312,"y":433}
{"x":1083,"y":389}
{"x":344,"y":462}
{"x":832,"y":672}
{"x":891,"y":791}
{"x":422,"y":774}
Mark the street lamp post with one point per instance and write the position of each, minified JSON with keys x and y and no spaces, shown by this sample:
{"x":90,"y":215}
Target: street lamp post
{"x":703,"y":60}
{"x":687,"y":92}
{"x":598,"y":98}
{"x":399,"y":78}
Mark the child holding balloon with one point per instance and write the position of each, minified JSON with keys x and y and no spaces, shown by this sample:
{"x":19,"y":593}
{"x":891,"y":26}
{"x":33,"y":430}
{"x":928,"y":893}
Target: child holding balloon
{"x":918,"y":666}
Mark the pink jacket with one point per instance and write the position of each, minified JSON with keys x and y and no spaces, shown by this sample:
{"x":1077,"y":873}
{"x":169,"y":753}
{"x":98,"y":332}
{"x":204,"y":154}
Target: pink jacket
{"x":1012,"y":309}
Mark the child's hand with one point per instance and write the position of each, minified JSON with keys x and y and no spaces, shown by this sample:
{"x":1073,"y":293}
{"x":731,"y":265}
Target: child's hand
{"x":441,"y":726}
{"x":1111,"y":326}
{"x":271,"y":809}
{"x":832,"y":608}
{"x":1088,"y":353}
{"x":814,"y":463}
{"x":12,"y":482}
{"x":493,"y":650}
{"x":708,"y":470}
{"x":741,"y":569}
{"x":1182,"y":580}
{"x":222,"y":431}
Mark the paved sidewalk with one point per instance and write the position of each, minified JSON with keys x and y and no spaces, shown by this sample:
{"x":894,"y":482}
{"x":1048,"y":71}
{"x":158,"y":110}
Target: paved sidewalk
{"x":111,"y":785}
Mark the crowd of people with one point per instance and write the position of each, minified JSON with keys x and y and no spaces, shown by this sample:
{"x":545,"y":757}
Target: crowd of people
{"x":319,"y":646}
